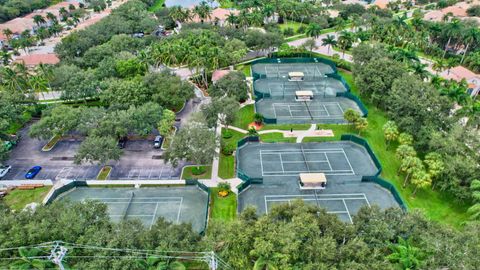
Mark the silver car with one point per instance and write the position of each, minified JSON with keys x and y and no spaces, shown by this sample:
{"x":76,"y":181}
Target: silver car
{"x":4,"y":170}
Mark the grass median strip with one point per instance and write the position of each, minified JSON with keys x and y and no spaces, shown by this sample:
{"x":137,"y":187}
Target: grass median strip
{"x":223,"y":208}
{"x":17,"y":199}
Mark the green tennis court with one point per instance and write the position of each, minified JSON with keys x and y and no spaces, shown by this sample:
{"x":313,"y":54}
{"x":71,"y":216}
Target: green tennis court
{"x":281,"y":70}
{"x":279,"y":87}
{"x":278,"y":165}
{"x":187,"y":204}
{"x":288,"y":111}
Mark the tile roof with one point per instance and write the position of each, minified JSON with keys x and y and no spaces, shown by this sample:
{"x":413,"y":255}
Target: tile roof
{"x":36,"y":59}
{"x":220,"y":13}
{"x":218,"y":74}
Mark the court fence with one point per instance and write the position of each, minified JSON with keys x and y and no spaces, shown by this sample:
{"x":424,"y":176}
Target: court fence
{"x":356,"y":99}
{"x":244,"y":141}
{"x":390,"y":187}
{"x":366,"y":145}
{"x":207,"y":190}
{"x":58,"y":191}
{"x":376,"y":177}
{"x":291,"y":60}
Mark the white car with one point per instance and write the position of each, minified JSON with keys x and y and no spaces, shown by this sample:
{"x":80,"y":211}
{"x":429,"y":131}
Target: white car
{"x":4,"y":170}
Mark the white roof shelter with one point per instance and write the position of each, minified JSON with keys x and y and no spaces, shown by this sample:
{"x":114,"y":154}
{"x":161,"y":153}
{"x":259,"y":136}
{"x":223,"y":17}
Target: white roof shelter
{"x":313,"y":181}
{"x":296,"y":76}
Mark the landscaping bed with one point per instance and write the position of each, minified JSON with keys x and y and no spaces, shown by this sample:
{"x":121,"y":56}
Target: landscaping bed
{"x":191,"y":172}
{"x":104,"y":173}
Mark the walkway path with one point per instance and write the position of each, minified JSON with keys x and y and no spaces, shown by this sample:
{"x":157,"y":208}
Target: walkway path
{"x":299,"y":134}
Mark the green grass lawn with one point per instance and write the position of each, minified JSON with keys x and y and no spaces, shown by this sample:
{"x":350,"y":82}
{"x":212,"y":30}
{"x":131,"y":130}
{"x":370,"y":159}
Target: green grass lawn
{"x":291,"y":24}
{"x":188,"y":174}
{"x":226,"y":168}
{"x":436,"y":205}
{"x":245,"y":69}
{"x":17,"y":199}
{"x":276,"y":137}
{"x":244,"y":117}
{"x":286,"y":127}
{"x":15,"y":127}
{"x":223,"y":208}
{"x":158,"y":5}
{"x":104,"y":173}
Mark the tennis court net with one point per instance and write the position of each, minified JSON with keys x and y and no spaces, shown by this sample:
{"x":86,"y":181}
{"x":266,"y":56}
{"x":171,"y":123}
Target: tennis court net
{"x":125,"y":212}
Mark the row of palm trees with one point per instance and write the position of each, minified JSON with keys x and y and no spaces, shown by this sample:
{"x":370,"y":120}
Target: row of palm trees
{"x":17,"y":78}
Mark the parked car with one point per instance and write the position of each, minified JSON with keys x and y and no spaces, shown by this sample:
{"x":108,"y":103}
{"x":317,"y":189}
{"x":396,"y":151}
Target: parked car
{"x":4,"y":170}
{"x":33,"y":172}
{"x":122,"y":142}
{"x":157,"y":143}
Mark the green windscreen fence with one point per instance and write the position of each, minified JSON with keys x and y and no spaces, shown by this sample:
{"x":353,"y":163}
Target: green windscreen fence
{"x":366,"y":145}
{"x":66,"y":188}
{"x":375,"y":178}
{"x":390,"y":187}
{"x":258,"y":73}
{"x":357,"y":100}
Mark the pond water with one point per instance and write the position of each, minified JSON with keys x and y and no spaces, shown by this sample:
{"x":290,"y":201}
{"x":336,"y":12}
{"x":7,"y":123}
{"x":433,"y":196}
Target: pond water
{"x":187,"y":3}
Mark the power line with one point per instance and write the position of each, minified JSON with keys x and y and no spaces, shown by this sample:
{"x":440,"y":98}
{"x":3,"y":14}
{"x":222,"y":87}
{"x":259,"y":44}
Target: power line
{"x":58,"y":252}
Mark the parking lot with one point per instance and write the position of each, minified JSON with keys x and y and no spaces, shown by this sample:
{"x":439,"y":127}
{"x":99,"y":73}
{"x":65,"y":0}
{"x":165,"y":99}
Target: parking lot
{"x":139,"y":161}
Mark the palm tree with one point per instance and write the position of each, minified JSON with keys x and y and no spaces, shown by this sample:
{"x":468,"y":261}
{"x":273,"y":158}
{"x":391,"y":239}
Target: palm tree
{"x":203,"y":11}
{"x":435,"y":165}
{"x":232,"y":19}
{"x":471,"y":35}
{"x":8,"y":33}
{"x":262,"y":262}
{"x":452,"y":30}
{"x":406,"y":255}
{"x":439,"y":65}
{"x":329,"y":41}
{"x":38,"y":20}
{"x":410,"y":165}
{"x":63,"y":13}
{"x":313,"y":30}
{"x":5,"y":56}
{"x":177,"y":13}
{"x":51,"y":17}
{"x":345,"y":41}
{"x":419,"y":69}
{"x":420,"y":179}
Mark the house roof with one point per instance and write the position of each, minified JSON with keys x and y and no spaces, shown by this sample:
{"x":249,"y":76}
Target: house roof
{"x":21,"y":24}
{"x":36,"y":59}
{"x":459,"y":73}
{"x":434,"y":16}
{"x":220,"y":13}
{"x":456,"y":10}
{"x":218,"y":74}
{"x":381,"y":3}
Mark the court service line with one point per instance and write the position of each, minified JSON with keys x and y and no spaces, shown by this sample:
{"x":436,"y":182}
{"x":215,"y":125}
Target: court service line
{"x":179,"y":210}
{"x":154,"y":215}
{"x":348,"y":211}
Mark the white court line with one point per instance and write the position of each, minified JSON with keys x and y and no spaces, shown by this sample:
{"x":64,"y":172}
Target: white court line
{"x":318,"y":195}
{"x":348,"y":211}
{"x":125,"y":198}
{"x":366,"y":199}
{"x":281,"y":162}
{"x":154,"y":215}
{"x":328,"y":113}
{"x":349,"y":164}
{"x":179,"y":211}
{"x":115,"y":215}
{"x":341,"y":109}
{"x":328,"y":161}
{"x":312,"y":151}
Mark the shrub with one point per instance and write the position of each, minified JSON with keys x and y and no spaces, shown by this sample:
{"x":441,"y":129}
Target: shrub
{"x":224,"y":186}
{"x":228,"y":149}
{"x":198,"y":170}
{"x":288,"y":32}
{"x":301,"y":29}
{"x":227,"y":134}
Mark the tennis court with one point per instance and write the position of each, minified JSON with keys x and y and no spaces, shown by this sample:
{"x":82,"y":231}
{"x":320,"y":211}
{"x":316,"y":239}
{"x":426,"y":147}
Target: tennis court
{"x":186,"y":204}
{"x":343,"y":200}
{"x":280,"y":87}
{"x":321,"y":110}
{"x":281,"y":70}
{"x":340,"y":160}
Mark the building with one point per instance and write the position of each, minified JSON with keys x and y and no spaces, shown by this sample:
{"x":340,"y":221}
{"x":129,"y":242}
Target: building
{"x":33,"y":60}
{"x":218,"y":74}
{"x":18,"y":25}
{"x":218,"y":15}
{"x":460,"y":73}
{"x":459,"y":10}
